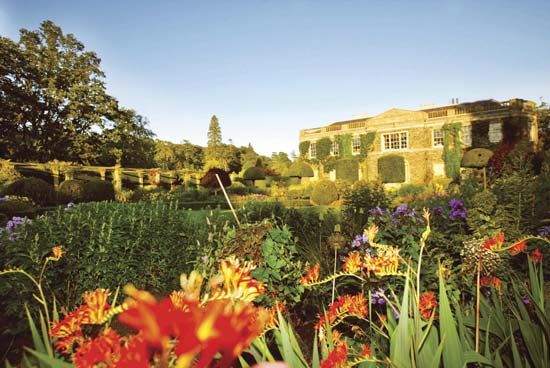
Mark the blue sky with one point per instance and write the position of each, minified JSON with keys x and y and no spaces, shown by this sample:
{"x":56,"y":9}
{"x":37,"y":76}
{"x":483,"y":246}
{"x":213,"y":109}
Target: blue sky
{"x":270,"y":68}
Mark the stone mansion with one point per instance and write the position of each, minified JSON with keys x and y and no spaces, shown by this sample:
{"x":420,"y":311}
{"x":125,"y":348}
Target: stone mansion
{"x":417,"y":136}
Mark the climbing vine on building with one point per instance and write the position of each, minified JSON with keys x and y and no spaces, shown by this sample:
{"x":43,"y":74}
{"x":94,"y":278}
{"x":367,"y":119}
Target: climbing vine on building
{"x":366,"y":144}
{"x":344,"y":145}
{"x":323,"y":146}
{"x":304,"y":148}
{"x":452,"y":149}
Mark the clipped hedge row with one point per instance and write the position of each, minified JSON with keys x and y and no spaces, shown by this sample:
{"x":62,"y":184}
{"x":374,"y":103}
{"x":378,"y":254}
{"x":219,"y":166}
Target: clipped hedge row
{"x":391,"y":169}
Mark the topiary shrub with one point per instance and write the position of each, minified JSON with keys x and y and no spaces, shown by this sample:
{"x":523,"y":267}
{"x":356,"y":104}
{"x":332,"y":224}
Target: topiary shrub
{"x":8,"y":173}
{"x":391,"y":169}
{"x":300,"y":169}
{"x":98,"y":190}
{"x":72,"y":190}
{"x":324,"y":193}
{"x":238,"y":189}
{"x":210,"y":181}
{"x":361,"y":198}
{"x":38,"y":190}
{"x":254,"y":173}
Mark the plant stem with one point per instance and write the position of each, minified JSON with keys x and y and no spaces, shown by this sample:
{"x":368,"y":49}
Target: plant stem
{"x":334,"y":280}
{"x":477,"y":304}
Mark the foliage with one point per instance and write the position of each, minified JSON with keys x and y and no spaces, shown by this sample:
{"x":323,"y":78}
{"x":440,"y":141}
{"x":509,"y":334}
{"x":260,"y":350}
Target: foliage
{"x":54,"y":100}
{"x":362,"y":197}
{"x":38,"y":190}
{"x":210,"y":181}
{"x":480,"y":134}
{"x":344,"y":145}
{"x":127,"y":141}
{"x":224,"y":304}
{"x":8,"y":173}
{"x":72,"y":190}
{"x":10,"y":208}
{"x":304,"y":149}
{"x":367,"y":141}
{"x":254,"y":173}
{"x":346,"y":169}
{"x":96,"y":190}
{"x":324,"y":193}
{"x":108,"y":244}
{"x":279,"y":162}
{"x":170,"y":156}
{"x":487,"y":217}
{"x":452,"y":149}
{"x":391,"y":169}
{"x":299,"y":169}
{"x":300,"y":191}
{"x":323,"y":148}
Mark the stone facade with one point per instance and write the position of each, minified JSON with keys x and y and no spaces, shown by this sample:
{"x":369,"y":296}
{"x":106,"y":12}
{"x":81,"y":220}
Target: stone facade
{"x":417,"y":135}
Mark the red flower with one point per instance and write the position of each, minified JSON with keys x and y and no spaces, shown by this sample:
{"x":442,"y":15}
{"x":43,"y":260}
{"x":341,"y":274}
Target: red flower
{"x":427,"y":304}
{"x":337,"y":358}
{"x":518,"y":248}
{"x":494,"y":243}
{"x":134,"y":354}
{"x":536,"y":256}
{"x":311,"y":276}
{"x":103,"y":350}
{"x":485,"y":280}
{"x":343,"y":307}
{"x":366,"y":352}
{"x":496,"y":282}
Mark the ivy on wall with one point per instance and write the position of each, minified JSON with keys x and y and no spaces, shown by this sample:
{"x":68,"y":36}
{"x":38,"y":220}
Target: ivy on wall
{"x":304,"y":148}
{"x":452,"y":149}
{"x":367,"y":141}
{"x":323,"y":147}
{"x":391,"y":169}
{"x":344,"y":145}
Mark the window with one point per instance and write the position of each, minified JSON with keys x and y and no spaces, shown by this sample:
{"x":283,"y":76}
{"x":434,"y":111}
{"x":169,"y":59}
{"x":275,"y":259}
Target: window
{"x":356,"y":145}
{"x":313,"y":150}
{"x":438,"y":137}
{"x":495,"y":132}
{"x":467,"y":136}
{"x":395,"y":141}
{"x":335,"y":150}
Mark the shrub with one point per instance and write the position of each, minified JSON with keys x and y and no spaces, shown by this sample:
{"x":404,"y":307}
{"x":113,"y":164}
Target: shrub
{"x":38,"y":190}
{"x":300,"y":169}
{"x":300,"y":191}
{"x":210,"y":181}
{"x":324,"y":193}
{"x":237,"y":188}
{"x":11,"y":208}
{"x":98,"y":190}
{"x":72,"y":190}
{"x":391,"y":169}
{"x":254,"y":173}
{"x":358,"y":201}
{"x":8,"y":173}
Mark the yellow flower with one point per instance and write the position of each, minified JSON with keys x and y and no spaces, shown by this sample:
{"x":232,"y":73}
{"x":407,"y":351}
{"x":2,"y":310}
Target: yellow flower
{"x":58,"y":252}
{"x":371,"y":233}
{"x":192,"y":285}
{"x":236,"y":282}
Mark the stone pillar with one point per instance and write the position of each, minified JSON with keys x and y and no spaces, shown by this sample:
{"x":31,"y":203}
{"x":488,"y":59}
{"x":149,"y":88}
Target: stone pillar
{"x":69,"y":174}
{"x":117,"y":178}
{"x":55,"y":175}
{"x":140,"y":178}
{"x":102,"y":173}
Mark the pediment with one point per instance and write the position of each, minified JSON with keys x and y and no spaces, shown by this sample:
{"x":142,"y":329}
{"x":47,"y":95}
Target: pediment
{"x":398,"y":114}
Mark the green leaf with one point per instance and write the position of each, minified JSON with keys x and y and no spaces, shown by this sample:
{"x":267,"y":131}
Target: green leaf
{"x":452,"y":349}
{"x":49,"y":361}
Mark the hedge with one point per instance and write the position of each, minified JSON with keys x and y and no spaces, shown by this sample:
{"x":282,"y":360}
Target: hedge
{"x":391,"y":169}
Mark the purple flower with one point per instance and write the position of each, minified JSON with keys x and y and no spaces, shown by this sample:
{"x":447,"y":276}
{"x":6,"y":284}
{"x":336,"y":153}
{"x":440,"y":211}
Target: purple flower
{"x":377,"y":298}
{"x":525,"y":300}
{"x":359,"y":241}
{"x":376,"y":211}
{"x":12,"y":226}
{"x":3,"y":199}
{"x":395,"y":313}
{"x":545,"y":231}
{"x":401,"y":209}
{"x":456,"y":203}
{"x":438,"y":210}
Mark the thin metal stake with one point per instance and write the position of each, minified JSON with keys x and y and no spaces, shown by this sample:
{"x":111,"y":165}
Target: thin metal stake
{"x":228,"y":201}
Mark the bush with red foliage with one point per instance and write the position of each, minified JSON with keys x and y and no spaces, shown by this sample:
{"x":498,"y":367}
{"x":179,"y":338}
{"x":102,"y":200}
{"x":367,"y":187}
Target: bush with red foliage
{"x":209,"y":179}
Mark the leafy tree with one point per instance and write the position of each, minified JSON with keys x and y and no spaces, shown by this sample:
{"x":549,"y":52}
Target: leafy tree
{"x":249,"y":157}
{"x":279,"y":162}
{"x":128,"y":141}
{"x":53,"y":97}
{"x":190,"y":156}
